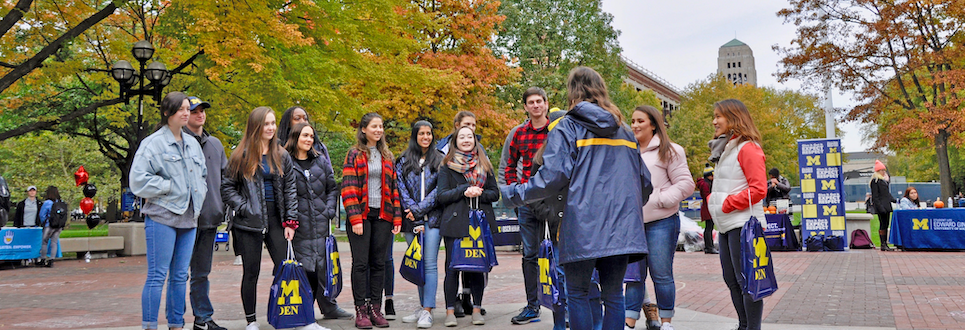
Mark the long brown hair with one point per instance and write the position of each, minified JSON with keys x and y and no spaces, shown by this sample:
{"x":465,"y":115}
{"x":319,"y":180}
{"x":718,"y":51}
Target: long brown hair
{"x":361,"y":142}
{"x":246,"y":159}
{"x":585,"y":84}
{"x":917,"y":201}
{"x":665,"y":150}
{"x":739,"y":119}
{"x":295,"y":133}
{"x":481,"y":158}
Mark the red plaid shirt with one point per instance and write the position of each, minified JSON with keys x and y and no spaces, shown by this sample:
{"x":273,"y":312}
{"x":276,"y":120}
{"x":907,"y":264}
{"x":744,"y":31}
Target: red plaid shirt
{"x":521,"y":150}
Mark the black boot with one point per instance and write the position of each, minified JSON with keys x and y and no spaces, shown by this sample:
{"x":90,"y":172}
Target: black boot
{"x":883,"y":238}
{"x":389,"y":310}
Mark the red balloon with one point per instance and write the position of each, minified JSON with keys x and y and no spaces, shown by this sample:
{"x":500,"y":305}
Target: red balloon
{"x":80,"y":177}
{"x":86,"y":205}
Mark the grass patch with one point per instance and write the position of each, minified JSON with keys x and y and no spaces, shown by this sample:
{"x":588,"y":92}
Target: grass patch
{"x":79,"y":229}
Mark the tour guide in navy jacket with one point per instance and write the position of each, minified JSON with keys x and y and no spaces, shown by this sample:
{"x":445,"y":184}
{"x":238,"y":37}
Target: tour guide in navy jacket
{"x":608,"y":186}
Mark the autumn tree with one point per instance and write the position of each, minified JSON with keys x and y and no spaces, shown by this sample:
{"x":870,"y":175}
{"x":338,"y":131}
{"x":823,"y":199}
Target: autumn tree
{"x":903,"y":60}
{"x":782,"y":116}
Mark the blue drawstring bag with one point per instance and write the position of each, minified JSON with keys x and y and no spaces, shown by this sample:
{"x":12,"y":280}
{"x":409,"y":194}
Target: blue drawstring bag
{"x":333,"y":269}
{"x":413,"y":267}
{"x":815,"y":243}
{"x":291,"y":303}
{"x":758,"y":267}
{"x":474,"y":253}
{"x":549,"y":293}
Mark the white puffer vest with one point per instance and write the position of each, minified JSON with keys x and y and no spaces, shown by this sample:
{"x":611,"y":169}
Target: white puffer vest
{"x":729,"y":180}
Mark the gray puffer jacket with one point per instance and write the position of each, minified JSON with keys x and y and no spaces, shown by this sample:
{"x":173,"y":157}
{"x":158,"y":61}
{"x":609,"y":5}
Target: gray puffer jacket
{"x":317,"y":198}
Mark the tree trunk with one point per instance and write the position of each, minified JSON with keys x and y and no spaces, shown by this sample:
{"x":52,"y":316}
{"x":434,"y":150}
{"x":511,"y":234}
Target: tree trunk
{"x":944,"y":169}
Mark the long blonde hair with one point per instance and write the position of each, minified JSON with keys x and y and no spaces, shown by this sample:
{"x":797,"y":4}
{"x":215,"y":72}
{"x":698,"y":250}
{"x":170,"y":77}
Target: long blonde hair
{"x":739,"y":119}
{"x":585,"y":84}
{"x":246,"y":159}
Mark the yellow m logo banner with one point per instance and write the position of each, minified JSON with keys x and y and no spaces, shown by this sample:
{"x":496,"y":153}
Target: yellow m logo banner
{"x":814,"y":160}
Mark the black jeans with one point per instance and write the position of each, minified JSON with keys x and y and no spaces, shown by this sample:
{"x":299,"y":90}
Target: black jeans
{"x":884,"y":219}
{"x":316,"y":278}
{"x":200,"y":268}
{"x":248,"y":244}
{"x":749,"y":312}
{"x":476,"y":282}
{"x":709,"y":234}
{"x":369,"y":252}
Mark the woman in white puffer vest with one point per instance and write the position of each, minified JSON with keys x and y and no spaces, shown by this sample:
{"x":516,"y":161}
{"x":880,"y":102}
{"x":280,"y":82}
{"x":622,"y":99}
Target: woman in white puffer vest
{"x":740,"y":185}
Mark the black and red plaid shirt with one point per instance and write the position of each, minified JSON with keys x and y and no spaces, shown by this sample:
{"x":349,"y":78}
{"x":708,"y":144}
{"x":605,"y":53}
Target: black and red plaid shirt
{"x":521,"y":150}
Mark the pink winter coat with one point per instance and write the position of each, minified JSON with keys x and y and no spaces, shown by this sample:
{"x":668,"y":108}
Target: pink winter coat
{"x":671,"y":180}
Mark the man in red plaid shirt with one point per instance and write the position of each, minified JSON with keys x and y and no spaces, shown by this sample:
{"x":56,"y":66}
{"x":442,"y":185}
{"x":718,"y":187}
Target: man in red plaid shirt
{"x":525,"y":141}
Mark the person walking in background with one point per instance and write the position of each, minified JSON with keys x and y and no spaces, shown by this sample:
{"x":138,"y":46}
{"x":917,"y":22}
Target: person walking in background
{"x":777,"y":187}
{"x":910,"y":200}
{"x":50,"y":243}
{"x":672,"y":183}
{"x":371,"y":199}
{"x":28,"y":210}
{"x":592,"y":154}
{"x":317,"y":206}
{"x":881,"y":199}
{"x":703,"y":185}
{"x":169,"y":172}
{"x":739,"y":189}
{"x":526,"y":140}
{"x":259,"y":185}
{"x":418,"y":169}
{"x":212,"y":214}
{"x":466,"y":179}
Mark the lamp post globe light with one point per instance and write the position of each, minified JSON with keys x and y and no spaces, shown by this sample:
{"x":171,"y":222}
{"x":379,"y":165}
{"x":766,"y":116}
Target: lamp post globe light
{"x":132,"y":82}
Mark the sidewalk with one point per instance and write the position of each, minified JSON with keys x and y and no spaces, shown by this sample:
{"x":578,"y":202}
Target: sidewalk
{"x":861,"y":289}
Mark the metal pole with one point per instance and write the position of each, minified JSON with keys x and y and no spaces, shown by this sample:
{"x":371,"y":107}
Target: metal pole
{"x":140,"y":107}
{"x":828,"y":112}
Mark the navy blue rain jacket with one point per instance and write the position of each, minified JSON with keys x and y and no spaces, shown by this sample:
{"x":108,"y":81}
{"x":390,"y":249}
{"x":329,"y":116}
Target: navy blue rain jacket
{"x":597,"y":160}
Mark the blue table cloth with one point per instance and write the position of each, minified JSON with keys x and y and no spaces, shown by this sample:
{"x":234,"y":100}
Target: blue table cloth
{"x":938,"y":229}
{"x":20,"y":243}
{"x":779,"y":233}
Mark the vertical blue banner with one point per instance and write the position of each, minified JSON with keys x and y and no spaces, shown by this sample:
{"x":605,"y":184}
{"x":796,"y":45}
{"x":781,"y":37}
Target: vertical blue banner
{"x":822,"y":188}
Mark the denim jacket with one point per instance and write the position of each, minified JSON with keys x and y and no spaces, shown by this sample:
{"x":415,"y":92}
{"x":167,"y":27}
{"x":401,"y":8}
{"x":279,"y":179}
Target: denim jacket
{"x":165,"y":175}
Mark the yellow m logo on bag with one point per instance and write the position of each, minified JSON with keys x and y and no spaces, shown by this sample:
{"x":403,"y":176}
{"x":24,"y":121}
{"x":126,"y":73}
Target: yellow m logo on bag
{"x":334,"y":257}
{"x":290,"y":289}
{"x":415,"y":250}
{"x":919,"y":225}
{"x":474,"y":237}
{"x":760,"y":251}
{"x":544,"y":271}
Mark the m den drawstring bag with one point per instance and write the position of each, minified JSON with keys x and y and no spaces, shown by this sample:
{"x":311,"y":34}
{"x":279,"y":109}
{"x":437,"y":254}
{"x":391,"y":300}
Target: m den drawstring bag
{"x":413,"y":268}
{"x":333,"y":269}
{"x":475,"y":253}
{"x":758,"y":267}
{"x":549,"y":290}
{"x":291,"y":303}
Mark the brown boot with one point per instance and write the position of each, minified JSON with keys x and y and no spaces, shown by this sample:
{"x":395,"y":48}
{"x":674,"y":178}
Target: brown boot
{"x":883,"y":238}
{"x":375,"y":315}
{"x":362,"y":317}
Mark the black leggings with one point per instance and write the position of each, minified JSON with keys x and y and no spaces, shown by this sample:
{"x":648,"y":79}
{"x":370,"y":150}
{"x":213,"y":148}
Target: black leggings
{"x":248,"y":245}
{"x":476,"y":282}
{"x":709,"y":234}
{"x":749,"y":312}
{"x":369,"y":252}
{"x":884,"y":220}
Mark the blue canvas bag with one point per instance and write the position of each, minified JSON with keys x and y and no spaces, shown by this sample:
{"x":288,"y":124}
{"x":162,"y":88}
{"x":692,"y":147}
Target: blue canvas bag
{"x":549,"y":293}
{"x":291,"y":302}
{"x":815,"y":243}
{"x":413,"y":268}
{"x":758,"y":267}
{"x":474,"y":253}
{"x":333,"y":269}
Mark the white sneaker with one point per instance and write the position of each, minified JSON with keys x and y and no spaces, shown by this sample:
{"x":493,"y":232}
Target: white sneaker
{"x":237,"y":262}
{"x":414,"y":317}
{"x":312,"y":326}
{"x":666,"y":326}
{"x":425,"y":320}
{"x":253,"y":326}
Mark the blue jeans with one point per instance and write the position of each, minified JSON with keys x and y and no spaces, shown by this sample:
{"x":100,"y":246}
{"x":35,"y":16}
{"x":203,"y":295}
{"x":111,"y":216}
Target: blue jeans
{"x":389,"y":288}
{"x":596,"y":306}
{"x":749,"y":312}
{"x":578,"y":285}
{"x":200,"y":268}
{"x":662,"y":242}
{"x":168,"y":251}
{"x":430,"y":254}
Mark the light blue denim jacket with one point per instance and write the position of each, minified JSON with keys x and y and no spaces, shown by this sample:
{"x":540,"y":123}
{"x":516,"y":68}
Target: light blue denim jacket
{"x":165,"y":175}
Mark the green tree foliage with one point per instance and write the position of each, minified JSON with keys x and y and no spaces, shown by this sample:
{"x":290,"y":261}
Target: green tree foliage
{"x":782,"y":116}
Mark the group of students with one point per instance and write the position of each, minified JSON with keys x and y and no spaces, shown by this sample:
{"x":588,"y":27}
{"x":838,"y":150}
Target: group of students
{"x":607,"y":191}
{"x":32,"y":212}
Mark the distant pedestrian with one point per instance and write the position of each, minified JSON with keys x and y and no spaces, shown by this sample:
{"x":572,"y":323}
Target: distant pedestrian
{"x":671,"y":179}
{"x":739,"y":189}
{"x":778,"y":187}
{"x":881,"y":199}
{"x":28,"y":210}
{"x":703,"y":185}
{"x":259,"y":185}
{"x":371,"y":199}
{"x":169,"y":172}
{"x":50,"y":242}
{"x":211,"y":216}
{"x":593,"y":154}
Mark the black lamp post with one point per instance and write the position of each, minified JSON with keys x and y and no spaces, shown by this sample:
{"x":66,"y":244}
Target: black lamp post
{"x":156,"y":73}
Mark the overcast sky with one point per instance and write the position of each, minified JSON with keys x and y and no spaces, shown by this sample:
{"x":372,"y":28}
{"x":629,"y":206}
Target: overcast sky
{"x":678,"y":41}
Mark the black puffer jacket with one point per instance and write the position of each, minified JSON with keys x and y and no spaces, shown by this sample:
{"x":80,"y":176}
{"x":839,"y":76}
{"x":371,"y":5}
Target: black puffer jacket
{"x":317,"y":195}
{"x":241,"y":194}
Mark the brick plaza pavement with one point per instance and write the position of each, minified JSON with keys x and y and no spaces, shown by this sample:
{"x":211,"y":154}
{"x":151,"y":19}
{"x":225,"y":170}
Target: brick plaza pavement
{"x":860,"y":289}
